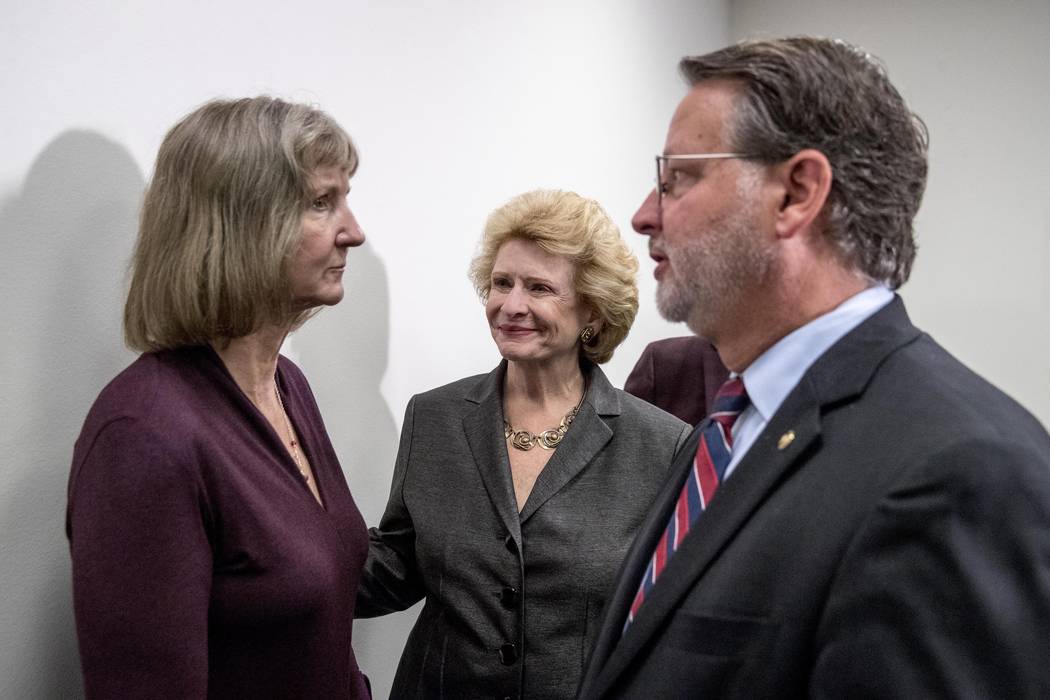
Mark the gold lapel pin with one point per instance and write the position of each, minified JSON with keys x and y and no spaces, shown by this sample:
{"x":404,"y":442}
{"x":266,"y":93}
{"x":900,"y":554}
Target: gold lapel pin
{"x":785,"y":440}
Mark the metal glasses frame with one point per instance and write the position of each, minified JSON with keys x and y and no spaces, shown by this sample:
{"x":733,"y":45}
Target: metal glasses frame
{"x":660,"y":159}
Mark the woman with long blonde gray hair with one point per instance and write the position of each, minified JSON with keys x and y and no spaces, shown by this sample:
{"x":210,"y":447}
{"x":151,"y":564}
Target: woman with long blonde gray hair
{"x":216,"y":547}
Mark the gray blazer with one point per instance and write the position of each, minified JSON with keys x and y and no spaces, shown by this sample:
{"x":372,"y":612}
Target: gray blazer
{"x":513,"y":600}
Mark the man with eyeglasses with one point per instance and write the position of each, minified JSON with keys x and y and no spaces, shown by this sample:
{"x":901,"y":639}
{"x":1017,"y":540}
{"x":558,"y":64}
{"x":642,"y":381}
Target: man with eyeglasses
{"x":861,"y":515}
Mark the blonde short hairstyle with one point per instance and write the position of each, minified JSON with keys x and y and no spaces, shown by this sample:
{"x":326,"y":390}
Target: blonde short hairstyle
{"x":221,"y":219}
{"x":566,"y":224}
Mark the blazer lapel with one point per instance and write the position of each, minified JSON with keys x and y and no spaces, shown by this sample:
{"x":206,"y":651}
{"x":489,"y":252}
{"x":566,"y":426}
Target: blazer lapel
{"x":764,"y":467}
{"x":483,"y":427}
{"x":841,"y":373}
{"x":588,"y":435}
{"x":634,"y":564}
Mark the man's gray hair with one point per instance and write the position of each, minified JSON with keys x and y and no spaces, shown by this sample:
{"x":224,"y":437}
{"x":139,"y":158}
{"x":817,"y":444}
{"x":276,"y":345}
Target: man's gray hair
{"x":825,"y":94}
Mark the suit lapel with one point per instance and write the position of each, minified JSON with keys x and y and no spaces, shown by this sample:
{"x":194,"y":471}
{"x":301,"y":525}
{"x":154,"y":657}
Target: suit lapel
{"x":764,"y":467}
{"x":483,"y":427}
{"x":839,"y":375}
{"x":588,"y":435}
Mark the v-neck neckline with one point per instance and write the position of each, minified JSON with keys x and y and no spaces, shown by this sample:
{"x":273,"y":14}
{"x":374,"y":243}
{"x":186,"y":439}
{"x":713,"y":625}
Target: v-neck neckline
{"x":284,"y":456}
{"x":307,"y":452}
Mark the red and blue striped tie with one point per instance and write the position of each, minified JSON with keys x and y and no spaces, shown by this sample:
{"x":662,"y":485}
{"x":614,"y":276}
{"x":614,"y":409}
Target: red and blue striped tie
{"x":709,"y":466}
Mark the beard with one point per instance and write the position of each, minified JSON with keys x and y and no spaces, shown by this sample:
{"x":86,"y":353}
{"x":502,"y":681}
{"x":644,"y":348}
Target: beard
{"x":712,"y":271}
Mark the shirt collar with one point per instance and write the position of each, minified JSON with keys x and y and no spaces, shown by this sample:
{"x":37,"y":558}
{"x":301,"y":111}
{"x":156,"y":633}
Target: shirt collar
{"x":772,"y":376}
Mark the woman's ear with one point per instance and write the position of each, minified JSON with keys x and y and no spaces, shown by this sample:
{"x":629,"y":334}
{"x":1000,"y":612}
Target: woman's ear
{"x":806,"y":182}
{"x":594,"y":320}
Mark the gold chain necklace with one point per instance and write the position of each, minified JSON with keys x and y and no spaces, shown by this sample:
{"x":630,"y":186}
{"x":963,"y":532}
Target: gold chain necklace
{"x":548,"y":439}
{"x":291,"y":436}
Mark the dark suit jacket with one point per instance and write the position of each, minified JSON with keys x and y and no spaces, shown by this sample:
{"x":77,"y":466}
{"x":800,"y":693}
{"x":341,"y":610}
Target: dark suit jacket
{"x":513,"y":600}
{"x":680,"y":375}
{"x":888,"y":535}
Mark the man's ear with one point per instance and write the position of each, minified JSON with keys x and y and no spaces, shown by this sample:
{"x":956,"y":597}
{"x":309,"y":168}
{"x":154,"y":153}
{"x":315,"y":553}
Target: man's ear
{"x":806,"y":182}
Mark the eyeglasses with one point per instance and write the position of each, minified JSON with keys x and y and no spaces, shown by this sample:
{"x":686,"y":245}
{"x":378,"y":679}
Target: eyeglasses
{"x":667,"y":184}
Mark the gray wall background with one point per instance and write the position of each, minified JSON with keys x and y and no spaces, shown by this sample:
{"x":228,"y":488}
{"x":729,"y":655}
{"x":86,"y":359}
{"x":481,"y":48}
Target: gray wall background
{"x":456,"y":107}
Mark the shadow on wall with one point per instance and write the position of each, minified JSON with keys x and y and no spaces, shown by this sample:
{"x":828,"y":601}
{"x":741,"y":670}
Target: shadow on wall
{"x":66,"y":239}
{"x":343,"y":352}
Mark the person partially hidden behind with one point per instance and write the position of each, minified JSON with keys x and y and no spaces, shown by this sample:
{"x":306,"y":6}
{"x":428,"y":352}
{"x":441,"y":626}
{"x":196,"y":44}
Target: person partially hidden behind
{"x":862,"y":516}
{"x":216,"y":547}
{"x":679,"y":375}
{"x":517,"y":492}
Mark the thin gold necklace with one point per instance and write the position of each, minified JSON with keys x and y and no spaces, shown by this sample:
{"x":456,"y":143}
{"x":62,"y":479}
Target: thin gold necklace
{"x":548,"y":439}
{"x":291,"y":436}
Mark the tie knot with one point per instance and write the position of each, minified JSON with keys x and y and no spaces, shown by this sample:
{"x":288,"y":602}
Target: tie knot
{"x":731,"y":398}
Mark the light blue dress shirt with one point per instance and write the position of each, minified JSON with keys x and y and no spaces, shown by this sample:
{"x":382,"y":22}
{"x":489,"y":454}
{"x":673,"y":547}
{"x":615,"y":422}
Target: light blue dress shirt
{"x":772,"y":376}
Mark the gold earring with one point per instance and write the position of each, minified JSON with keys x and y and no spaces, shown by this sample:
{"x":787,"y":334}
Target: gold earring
{"x":586,"y":334}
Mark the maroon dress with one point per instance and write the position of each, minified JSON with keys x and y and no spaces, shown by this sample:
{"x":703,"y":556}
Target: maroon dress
{"x":202,"y":564}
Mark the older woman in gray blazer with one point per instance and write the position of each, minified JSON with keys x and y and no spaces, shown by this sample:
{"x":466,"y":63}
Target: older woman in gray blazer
{"x":517,"y":493}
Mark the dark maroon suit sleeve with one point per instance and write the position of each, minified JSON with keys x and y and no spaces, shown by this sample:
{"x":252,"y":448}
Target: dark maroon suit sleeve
{"x":679,"y":375}
{"x":640,"y":381}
